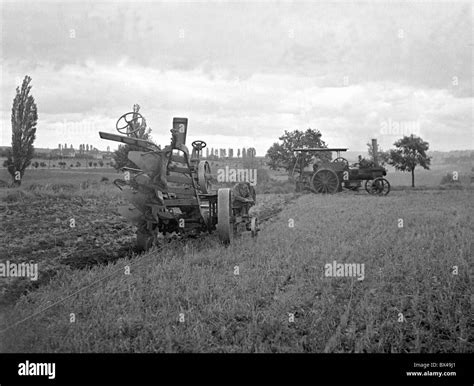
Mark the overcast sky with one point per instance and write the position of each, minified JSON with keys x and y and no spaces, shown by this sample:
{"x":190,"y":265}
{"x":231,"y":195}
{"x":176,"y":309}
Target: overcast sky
{"x":241,"y":72}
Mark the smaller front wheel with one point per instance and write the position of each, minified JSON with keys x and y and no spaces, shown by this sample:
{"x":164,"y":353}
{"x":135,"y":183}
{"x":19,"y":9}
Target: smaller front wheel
{"x":380,"y":186}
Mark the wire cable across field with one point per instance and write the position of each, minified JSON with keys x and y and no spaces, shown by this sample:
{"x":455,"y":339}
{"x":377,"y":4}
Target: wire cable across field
{"x":102,"y":279}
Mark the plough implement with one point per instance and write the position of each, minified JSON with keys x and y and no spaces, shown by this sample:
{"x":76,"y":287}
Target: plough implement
{"x":170,"y":191}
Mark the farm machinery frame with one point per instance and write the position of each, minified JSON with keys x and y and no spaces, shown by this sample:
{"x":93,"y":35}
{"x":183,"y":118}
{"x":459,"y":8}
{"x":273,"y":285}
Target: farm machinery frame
{"x":331,"y":177}
{"x":170,"y":191}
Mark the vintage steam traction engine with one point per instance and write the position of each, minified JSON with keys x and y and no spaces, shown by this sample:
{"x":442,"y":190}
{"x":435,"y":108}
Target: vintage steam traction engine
{"x":331,"y":177}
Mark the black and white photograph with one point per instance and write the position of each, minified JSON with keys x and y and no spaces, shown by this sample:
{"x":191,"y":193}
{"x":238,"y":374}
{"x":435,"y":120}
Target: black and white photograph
{"x":278,"y":179}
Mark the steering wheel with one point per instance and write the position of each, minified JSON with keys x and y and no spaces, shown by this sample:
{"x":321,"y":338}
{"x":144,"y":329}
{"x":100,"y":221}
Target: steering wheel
{"x":130,"y":123}
{"x":199,"y":145}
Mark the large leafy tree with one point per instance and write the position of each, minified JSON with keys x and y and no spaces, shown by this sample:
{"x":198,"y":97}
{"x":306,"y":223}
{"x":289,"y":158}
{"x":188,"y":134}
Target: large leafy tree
{"x":24,"y":119}
{"x":409,"y":153}
{"x":282,"y":155}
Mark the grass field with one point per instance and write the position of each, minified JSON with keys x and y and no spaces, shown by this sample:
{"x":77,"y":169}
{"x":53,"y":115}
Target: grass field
{"x":187,"y":296}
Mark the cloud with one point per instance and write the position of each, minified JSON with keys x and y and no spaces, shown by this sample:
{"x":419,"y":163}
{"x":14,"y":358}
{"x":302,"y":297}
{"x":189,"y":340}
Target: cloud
{"x":243,"y":72}
{"x":76,"y":102}
{"x":426,"y":44}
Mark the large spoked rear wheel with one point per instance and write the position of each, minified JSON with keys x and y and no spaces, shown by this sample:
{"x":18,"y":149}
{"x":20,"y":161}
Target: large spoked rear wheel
{"x":225,"y":221}
{"x":325,"y":181}
{"x":204,"y":176}
{"x":380,"y":186}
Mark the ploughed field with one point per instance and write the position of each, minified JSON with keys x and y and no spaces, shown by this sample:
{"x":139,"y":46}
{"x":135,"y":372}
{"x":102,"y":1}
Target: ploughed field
{"x":270,"y":294}
{"x":57,"y":230}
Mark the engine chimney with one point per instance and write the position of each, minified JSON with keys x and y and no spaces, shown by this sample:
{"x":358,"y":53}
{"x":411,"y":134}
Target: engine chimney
{"x":375,"y":151}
